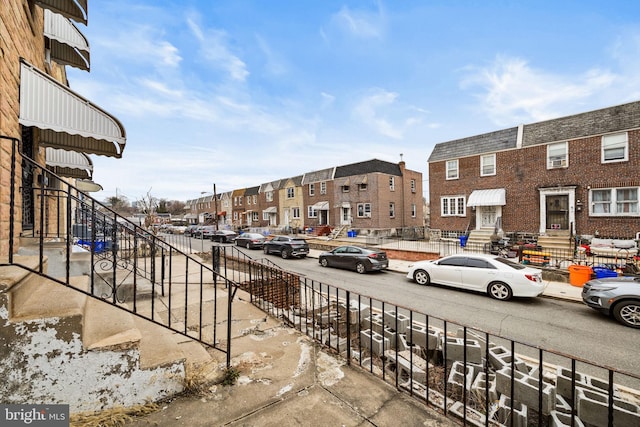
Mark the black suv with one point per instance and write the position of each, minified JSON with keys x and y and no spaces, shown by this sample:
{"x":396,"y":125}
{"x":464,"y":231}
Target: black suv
{"x":287,"y":246}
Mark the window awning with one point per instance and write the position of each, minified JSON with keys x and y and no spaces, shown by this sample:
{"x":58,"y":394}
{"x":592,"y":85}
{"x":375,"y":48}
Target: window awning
{"x":223,"y":213}
{"x":88,"y":186}
{"x":72,"y":9}
{"x":321,"y":206}
{"x":492,"y":197}
{"x":271,"y":209}
{"x":69,"y":164}
{"x":67,"y":120}
{"x":361,"y":179}
{"x":345,"y":205}
{"x":67,"y":44}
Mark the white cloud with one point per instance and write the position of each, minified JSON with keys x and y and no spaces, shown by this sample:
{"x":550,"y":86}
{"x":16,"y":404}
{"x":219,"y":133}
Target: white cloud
{"x":380,"y":111}
{"x":511,"y":92}
{"x":360,"y":23}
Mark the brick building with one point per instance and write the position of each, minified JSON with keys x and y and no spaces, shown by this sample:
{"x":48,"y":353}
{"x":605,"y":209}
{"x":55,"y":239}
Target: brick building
{"x":572,"y":175}
{"x":41,"y":118}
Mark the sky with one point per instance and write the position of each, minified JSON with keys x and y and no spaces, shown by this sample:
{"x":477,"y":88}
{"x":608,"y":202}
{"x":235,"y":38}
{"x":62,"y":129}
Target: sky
{"x":238,"y":93}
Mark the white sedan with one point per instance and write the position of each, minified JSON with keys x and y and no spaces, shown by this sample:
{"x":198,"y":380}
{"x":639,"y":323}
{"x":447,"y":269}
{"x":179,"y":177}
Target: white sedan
{"x":498,"y":277}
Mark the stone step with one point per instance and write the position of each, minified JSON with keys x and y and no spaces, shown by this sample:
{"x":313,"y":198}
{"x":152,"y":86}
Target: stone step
{"x":108,"y":327}
{"x":157,"y":345}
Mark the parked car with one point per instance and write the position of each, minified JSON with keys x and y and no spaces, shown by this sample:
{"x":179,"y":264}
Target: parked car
{"x":499,"y":277}
{"x":615,"y":296}
{"x":250,"y":240}
{"x":287,"y":246}
{"x":223,"y":236}
{"x":355,"y":258}
{"x":206,"y":231}
{"x":190,"y":230}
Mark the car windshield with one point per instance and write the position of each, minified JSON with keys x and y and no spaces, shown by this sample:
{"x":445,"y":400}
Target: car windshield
{"x":510,"y":263}
{"x":299,"y":241}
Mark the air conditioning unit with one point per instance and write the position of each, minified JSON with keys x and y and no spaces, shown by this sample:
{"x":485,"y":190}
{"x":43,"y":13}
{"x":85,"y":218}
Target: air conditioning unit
{"x":558,"y":163}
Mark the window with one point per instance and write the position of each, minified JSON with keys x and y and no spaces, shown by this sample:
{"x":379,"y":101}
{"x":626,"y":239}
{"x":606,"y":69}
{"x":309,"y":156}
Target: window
{"x":265,"y":216}
{"x":255,"y":199}
{"x":413,"y":210}
{"x":364,"y":210}
{"x":345,"y":188}
{"x":235,"y":216}
{"x":311,"y":212}
{"x":291,"y":192}
{"x":323,"y":188}
{"x":362,"y":187}
{"x":392,"y":183}
{"x":312,"y":189}
{"x":452,"y":169}
{"x":614,"y":202}
{"x":296,"y":212}
{"x":413,"y":185}
{"x":557,"y":155}
{"x":452,"y":206}
{"x":488,"y":165}
{"x":615,"y":148}
{"x":269,"y":196}
{"x":392,"y":210}
{"x":248,"y":200}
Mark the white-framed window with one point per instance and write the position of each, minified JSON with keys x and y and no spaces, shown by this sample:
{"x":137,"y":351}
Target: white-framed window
{"x":248,"y":200}
{"x":255,"y":199}
{"x":615,"y":148}
{"x":312,"y":189}
{"x":295,"y":212}
{"x":413,"y":185}
{"x":453,"y":206}
{"x":323,"y":188}
{"x":452,"y":169}
{"x":265,"y":216}
{"x":255,"y":216}
{"x":362,"y":187}
{"x":558,"y":155}
{"x":345,"y":188}
{"x":392,"y":183}
{"x":488,"y":165}
{"x":364,"y":210}
{"x":614,"y":201}
{"x":311,"y":212}
{"x":414,"y":210}
{"x":392,"y":210}
{"x":269,"y":196}
{"x":235,"y":216}
{"x":291,"y":192}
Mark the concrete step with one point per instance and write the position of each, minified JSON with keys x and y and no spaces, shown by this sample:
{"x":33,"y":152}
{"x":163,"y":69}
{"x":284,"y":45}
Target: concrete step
{"x":157,"y":345}
{"x":108,"y":327}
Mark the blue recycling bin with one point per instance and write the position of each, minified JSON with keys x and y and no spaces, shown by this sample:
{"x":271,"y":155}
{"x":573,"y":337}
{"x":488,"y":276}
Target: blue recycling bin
{"x":351,"y":233}
{"x":463,"y":241}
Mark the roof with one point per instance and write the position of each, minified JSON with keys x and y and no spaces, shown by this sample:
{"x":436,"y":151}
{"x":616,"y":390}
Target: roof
{"x":318,"y":176}
{"x":251,"y":191}
{"x":369,"y":166}
{"x":486,"y":143}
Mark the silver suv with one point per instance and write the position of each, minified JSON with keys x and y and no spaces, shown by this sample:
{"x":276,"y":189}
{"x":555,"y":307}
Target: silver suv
{"x":615,"y":296}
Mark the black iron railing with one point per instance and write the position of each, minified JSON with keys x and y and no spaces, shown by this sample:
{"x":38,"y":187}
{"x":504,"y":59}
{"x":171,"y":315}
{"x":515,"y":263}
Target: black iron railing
{"x":470,"y":374}
{"x":124,"y":264}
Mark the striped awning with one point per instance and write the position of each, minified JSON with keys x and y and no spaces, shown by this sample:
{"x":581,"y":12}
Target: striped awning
{"x":67,"y":120}
{"x":70,"y":164}
{"x":321,"y":206}
{"x":72,"y":9}
{"x":270,"y":209}
{"x":492,"y":197}
{"x":67,"y":44}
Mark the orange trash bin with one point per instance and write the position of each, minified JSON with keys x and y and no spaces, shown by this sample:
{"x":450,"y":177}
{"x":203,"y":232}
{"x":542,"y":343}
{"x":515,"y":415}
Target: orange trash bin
{"x":579,"y":274}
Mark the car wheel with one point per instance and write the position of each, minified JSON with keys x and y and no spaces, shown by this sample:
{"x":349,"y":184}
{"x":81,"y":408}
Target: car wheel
{"x":628,"y":313}
{"x":324,"y":262}
{"x":422,"y":277}
{"x":285,"y":254}
{"x":265,"y":250}
{"x":500,"y":291}
{"x":360,"y":268}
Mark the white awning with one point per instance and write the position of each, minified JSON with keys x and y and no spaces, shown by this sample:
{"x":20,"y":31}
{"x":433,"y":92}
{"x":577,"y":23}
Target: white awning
{"x":271,"y":209}
{"x":69,"y":163}
{"x":67,"y":120}
{"x":67,"y":44}
{"x":321,"y":206}
{"x":72,"y":9}
{"x":345,"y":205}
{"x":492,"y":197}
{"x":88,"y":186}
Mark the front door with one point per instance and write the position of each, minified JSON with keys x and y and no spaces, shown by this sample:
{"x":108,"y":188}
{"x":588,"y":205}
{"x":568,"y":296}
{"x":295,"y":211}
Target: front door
{"x":557,"y":207}
{"x":346,"y":216}
{"x":488,"y":216}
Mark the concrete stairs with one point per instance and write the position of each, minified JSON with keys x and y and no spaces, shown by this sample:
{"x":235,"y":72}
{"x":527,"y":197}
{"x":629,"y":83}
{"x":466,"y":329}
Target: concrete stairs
{"x":480,"y":237}
{"x":60,"y":345}
{"x":556,"y":241}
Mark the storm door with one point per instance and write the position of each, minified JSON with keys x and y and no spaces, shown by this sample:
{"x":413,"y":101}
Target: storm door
{"x":488,"y":216}
{"x":557,"y":212}
{"x":28,"y":206}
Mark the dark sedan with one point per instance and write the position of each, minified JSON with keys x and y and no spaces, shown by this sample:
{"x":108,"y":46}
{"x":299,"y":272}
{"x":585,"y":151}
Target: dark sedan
{"x":223,"y":236}
{"x":250,"y":240}
{"x":355,"y":258}
{"x":618,"y":297}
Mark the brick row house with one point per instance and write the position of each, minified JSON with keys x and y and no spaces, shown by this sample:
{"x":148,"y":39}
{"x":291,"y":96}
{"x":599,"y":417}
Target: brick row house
{"x":574,"y":175}
{"x":367,"y":196}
